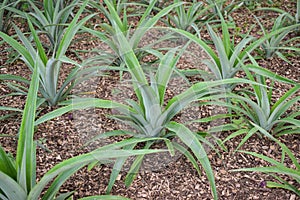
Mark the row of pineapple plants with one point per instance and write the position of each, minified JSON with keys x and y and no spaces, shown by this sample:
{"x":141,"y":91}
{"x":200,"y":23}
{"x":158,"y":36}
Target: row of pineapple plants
{"x":150,"y":115}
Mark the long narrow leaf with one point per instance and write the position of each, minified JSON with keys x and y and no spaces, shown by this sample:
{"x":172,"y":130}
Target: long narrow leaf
{"x":135,"y":166}
{"x":104,"y":197}
{"x":11,"y":188}
{"x":7,"y":165}
{"x":39,"y":46}
{"x":78,"y":105}
{"x":187,"y":137}
{"x":18,"y":47}
{"x":81,"y":160}
{"x":25,"y":159}
{"x":57,"y":183}
{"x":117,"y":168}
{"x":71,"y":31}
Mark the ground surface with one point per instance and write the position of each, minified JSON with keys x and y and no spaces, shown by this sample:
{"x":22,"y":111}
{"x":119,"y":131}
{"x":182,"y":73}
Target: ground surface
{"x":176,"y":179}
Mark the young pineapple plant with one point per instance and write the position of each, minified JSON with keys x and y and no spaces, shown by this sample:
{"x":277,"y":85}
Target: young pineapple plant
{"x":49,"y":65}
{"x":151,"y":116}
{"x":18,"y":176}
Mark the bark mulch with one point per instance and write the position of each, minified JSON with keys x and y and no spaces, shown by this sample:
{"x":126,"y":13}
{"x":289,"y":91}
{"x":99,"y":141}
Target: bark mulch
{"x":172,"y":179}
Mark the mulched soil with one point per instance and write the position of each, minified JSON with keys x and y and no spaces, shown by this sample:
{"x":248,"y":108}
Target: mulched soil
{"x":175,"y":178}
